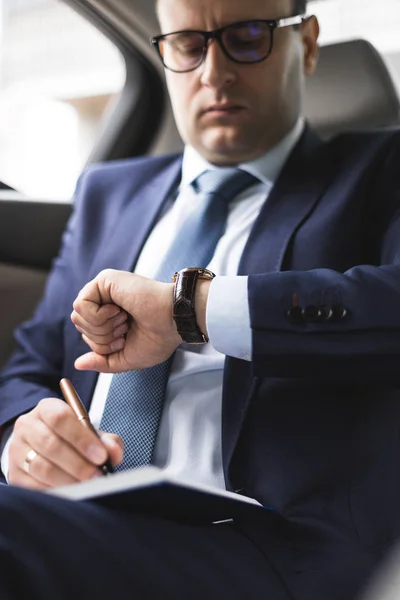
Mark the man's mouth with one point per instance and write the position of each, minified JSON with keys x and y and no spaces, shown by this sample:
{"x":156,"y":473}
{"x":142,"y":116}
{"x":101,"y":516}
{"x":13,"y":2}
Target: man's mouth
{"x":227,"y":113}
{"x":223,"y":108}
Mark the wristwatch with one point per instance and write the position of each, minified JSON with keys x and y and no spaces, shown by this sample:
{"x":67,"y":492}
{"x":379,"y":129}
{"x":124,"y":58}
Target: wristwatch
{"x":183,"y":304}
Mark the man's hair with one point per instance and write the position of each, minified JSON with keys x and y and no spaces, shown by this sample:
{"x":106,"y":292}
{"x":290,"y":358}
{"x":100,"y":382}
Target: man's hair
{"x":299,"y":7}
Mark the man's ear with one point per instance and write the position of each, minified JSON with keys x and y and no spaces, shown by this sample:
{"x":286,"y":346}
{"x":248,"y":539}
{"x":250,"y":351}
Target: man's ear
{"x":310,"y":33}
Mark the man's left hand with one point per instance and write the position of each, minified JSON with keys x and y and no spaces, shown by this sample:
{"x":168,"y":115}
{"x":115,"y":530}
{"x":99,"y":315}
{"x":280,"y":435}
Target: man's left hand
{"x":127,"y":322}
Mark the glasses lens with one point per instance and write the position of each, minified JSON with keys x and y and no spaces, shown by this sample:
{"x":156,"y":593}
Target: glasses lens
{"x":247,"y":42}
{"x":182,"y":51}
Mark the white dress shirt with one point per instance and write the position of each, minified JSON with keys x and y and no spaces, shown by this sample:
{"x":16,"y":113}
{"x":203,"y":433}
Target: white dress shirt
{"x":189,"y":437}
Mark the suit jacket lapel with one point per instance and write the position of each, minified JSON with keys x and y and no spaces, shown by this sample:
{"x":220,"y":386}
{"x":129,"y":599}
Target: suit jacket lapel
{"x":292,"y":200}
{"x":137,"y":221}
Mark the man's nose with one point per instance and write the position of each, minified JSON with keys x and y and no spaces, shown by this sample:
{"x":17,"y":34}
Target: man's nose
{"x":218,"y":71}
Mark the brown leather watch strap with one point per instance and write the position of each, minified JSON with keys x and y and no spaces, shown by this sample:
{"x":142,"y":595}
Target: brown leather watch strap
{"x":183,"y":304}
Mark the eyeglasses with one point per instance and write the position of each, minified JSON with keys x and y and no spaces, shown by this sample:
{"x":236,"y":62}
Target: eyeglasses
{"x":245,"y":42}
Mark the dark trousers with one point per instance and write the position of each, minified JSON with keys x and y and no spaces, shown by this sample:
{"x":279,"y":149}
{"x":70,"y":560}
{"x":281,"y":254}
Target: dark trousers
{"x":55,"y":549}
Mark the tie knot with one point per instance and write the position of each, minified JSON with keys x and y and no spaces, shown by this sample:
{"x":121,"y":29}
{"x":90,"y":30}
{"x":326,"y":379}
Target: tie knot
{"x":226,"y":182}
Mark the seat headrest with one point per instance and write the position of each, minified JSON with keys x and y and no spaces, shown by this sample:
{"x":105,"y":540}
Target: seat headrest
{"x":351,"y":90}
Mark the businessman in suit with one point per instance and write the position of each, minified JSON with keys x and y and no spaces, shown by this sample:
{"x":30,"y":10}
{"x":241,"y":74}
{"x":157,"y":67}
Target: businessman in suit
{"x":294,"y":400}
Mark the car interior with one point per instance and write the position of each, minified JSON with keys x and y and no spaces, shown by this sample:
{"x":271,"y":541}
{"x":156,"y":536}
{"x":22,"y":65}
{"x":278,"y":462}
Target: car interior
{"x":353,"y":89}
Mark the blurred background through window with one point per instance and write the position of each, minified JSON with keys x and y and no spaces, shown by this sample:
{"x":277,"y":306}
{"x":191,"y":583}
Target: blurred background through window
{"x":58,"y":79}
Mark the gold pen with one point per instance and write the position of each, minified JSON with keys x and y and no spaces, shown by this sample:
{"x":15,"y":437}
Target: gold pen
{"x":72,"y":399}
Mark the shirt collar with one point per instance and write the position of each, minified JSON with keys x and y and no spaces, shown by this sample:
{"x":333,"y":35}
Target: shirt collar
{"x":266,"y":168}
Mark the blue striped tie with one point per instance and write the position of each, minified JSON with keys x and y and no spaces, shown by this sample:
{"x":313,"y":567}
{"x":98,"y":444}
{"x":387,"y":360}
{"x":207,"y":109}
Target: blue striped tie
{"x":135,"y":400}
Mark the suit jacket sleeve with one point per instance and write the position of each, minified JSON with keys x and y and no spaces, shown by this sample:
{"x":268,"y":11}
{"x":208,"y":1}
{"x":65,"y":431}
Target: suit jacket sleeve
{"x":365,"y":345}
{"x":35,"y":369}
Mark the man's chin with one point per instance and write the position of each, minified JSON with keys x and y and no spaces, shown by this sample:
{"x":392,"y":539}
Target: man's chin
{"x":225,"y":149}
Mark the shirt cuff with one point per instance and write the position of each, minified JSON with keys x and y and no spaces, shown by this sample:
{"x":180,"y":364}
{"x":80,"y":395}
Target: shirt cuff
{"x":228,"y":317}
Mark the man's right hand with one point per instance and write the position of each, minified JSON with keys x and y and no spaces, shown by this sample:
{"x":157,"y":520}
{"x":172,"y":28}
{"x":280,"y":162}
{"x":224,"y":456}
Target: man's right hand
{"x":67,"y":452}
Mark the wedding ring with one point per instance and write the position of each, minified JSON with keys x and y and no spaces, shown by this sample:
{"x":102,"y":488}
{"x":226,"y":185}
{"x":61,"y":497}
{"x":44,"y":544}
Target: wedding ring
{"x":29,"y":458}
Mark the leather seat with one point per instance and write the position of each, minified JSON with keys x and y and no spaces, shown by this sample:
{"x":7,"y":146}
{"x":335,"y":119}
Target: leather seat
{"x":351,"y":90}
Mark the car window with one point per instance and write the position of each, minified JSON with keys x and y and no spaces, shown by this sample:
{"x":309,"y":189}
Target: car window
{"x":58,"y":79}
{"x":342,"y":20}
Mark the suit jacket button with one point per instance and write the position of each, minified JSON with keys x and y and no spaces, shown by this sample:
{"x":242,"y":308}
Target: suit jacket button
{"x":326,"y":313}
{"x":311,"y":313}
{"x":295,"y":315}
{"x":339,"y":312}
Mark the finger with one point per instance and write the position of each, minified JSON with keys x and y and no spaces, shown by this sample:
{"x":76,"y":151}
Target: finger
{"x":104,"y":349}
{"x":40,"y":469}
{"x":106,"y":339}
{"x":61,"y":419}
{"x":63,"y":457}
{"x":110,"y":286}
{"x":102,"y":327}
{"x":114,"y":363}
{"x":21,"y":479}
{"x":94,"y":313}
{"x":114,"y":445}
{"x":114,"y":438}
{"x":103,"y":317}
{"x":92,"y":293}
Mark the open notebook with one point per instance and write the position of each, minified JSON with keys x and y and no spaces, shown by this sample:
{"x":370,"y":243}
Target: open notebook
{"x":155,"y":491}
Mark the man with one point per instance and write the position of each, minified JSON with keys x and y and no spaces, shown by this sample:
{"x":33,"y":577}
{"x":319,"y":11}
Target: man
{"x":304,"y":307}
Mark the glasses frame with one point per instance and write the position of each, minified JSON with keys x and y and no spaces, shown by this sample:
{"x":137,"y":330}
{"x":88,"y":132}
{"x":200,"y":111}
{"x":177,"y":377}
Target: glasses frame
{"x":216,"y":34}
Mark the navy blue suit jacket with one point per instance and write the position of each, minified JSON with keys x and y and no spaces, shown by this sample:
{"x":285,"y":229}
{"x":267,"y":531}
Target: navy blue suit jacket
{"x":311,"y":425}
